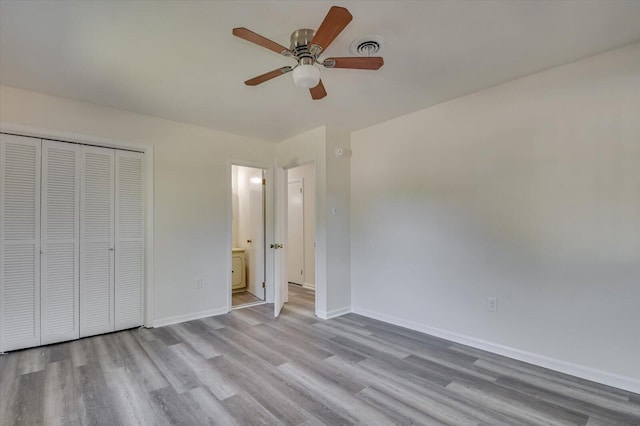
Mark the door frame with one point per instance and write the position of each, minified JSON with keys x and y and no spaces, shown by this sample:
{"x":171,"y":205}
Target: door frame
{"x":285,"y":182}
{"x":147,"y":150}
{"x":269,"y":226}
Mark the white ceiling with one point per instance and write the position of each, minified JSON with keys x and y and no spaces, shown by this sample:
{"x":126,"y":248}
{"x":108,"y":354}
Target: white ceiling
{"x":178,"y":59}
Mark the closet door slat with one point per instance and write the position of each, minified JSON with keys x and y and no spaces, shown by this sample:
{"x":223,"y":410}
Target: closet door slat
{"x":97,"y":241}
{"x":60,"y":262}
{"x":129,"y":239}
{"x":19,"y":242}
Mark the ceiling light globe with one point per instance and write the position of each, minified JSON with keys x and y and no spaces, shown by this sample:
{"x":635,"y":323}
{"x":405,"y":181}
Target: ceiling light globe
{"x":306,"y":76}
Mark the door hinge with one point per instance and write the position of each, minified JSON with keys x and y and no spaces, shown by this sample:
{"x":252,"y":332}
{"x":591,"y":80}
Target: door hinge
{"x":263,"y":285}
{"x":301,"y":190}
{"x":264,"y":182}
{"x":301,"y":273}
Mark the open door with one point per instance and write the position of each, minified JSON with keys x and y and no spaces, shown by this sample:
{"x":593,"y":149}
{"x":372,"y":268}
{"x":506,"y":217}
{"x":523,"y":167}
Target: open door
{"x":295,"y":230}
{"x":254,"y":246}
{"x":280,"y":273}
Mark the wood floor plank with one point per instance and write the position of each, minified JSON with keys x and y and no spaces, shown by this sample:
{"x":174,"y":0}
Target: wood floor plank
{"x":131,"y":398}
{"x":96,"y":405}
{"x":60,"y":394}
{"x":539,"y":371}
{"x":553,"y":381}
{"x":79,"y":352}
{"x":8,"y":385}
{"x":173,"y":409}
{"x":209,"y":410}
{"x":398,"y":411}
{"x":262,"y":390}
{"x":289,"y":345}
{"x":395,"y":387}
{"x":248,"y":343}
{"x":249,"y":412}
{"x":25,"y":407}
{"x":610,"y":410}
{"x":357,"y":412}
{"x":517,"y":404}
{"x":449,"y":369}
{"x":206,"y":374}
{"x":247,"y":367}
{"x":242,"y":298}
{"x":32,"y":360}
{"x":179,"y":375}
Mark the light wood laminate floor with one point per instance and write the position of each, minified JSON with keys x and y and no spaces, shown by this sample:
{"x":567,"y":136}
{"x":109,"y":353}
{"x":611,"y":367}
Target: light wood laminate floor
{"x":249,"y":368}
{"x":242,"y":298}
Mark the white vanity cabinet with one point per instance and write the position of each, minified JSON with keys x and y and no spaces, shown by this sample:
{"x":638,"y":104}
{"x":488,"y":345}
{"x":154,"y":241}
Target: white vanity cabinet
{"x":238,"y":276}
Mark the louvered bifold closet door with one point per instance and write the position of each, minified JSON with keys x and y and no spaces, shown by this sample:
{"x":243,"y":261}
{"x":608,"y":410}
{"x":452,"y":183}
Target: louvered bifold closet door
{"x":129,"y":239}
{"x":60,"y":258}
{"x":19,"y":242}
{"x":97,"y":241}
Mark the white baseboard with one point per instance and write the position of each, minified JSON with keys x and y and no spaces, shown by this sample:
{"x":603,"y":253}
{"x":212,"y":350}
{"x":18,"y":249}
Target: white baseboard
{"x":333,"y":313}
{"x":309,"y":286}
{"x":577,"y":370}
{"x":189,"y":317}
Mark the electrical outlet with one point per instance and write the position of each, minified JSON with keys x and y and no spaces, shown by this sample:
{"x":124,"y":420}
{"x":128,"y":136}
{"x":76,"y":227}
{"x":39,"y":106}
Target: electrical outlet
{"x":492,"y":304}
{"x":199,"y":283}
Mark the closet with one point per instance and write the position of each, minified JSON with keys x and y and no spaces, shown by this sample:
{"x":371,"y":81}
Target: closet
{"x":71,"y":241}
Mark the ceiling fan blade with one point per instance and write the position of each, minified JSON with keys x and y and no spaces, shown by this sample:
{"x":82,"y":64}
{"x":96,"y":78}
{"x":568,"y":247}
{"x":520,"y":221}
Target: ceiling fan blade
{"x":335,"y":21}
{"x":267,"y":76}
{"x":249,"y":35}
{"x":318,"y":92}
{"x":369,"y":63}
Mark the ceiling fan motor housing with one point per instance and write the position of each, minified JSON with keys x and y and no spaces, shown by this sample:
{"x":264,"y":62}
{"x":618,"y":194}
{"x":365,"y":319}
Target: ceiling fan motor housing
{"x":300,"y":43}
{"x":305,"y":74}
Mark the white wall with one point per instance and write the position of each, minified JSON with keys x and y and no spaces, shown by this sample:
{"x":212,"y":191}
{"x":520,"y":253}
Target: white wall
{"x":528,"y":192}
{"x":338,"y":223}
{"x":191,"y":190}
{"x":307,"y":174}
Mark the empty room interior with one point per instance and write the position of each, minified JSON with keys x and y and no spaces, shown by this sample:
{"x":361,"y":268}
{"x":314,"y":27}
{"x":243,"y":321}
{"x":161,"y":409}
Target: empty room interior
{"x":319,"y":212}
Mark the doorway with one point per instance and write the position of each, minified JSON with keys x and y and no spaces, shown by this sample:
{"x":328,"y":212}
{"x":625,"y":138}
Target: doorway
{"x":301,"y":253}
{"x":248,"y":236}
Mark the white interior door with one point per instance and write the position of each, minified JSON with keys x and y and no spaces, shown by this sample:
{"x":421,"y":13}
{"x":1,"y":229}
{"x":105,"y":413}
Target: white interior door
{"x":255,"y":249}
{"x":19,"y":242}
{"x":280,"y":272}
{"x":97,"y":241}
{"x":60,"y":257}
{"x":129,"y":239}
{"x":295,"y":228}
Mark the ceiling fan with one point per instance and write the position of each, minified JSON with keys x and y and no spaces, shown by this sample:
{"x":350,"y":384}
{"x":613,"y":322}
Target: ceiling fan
{"x":306,"y":47}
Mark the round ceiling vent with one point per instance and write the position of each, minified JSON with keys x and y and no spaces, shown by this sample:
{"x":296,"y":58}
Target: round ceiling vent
{"x":368,"y":45}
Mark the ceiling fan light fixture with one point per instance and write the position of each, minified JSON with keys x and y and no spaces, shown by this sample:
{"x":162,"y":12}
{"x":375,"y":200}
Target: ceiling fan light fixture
{"x":306,"y":75}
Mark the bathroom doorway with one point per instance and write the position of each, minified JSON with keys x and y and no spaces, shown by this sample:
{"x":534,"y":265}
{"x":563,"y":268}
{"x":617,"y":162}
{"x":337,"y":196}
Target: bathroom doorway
{"x":248,"y":228}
